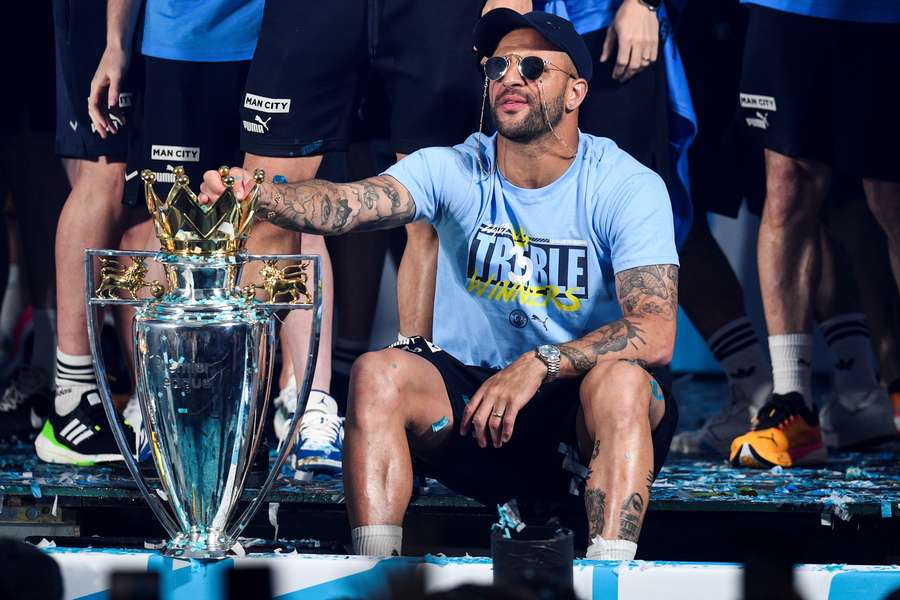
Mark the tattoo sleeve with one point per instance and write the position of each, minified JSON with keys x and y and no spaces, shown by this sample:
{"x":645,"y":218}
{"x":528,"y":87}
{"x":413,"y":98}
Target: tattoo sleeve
{"x":648,"y":297}
{"x":327,"y":208}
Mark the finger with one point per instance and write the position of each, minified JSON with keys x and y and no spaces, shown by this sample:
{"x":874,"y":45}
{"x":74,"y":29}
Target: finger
{"x":214,"y":184}
{"x":471,"y":407}
{"x":495,"y":423}
{"x":608,"y":44}
{"x":509,"y":422}
{"x":112,"y":95}
{"x":94,"y":111}
{"x":654,"y":50}
{"x":622,"y":60}
{"x":481,"y":420}
{"x":636,"y":63}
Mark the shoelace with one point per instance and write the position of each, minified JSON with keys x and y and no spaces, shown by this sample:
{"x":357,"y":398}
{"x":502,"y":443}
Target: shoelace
{"x":11,"y":400}
{"x":778,"y":412}
{"x":320,"y":430}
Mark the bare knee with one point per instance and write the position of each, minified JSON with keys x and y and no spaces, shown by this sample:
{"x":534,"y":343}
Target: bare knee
{"x":795,"y":190}
{"x":376,"y":387}
{"x":101,"y":181}
{"x":883,"y":198}
{"x":615,"y":393}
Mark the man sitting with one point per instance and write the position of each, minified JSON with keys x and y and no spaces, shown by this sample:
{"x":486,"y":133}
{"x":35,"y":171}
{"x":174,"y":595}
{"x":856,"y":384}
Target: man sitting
{"x":536,"y":224}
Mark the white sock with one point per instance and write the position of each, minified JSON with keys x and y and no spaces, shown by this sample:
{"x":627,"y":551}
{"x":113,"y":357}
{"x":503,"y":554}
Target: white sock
{"x":377,"y":540}
{"x":43,"y":353}
{"x":322,"y":402}
{"x":738,"y":349}
{"x":792,"y":364}
{"x":74,"y":376}
{"x":853,"y":362}
{"x":601,"y":549}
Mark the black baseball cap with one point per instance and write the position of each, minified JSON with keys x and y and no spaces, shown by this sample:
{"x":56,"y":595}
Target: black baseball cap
{"x":491,"y":28}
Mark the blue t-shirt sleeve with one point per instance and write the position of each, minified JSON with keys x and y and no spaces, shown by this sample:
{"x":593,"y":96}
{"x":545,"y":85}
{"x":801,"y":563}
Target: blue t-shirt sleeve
{"x":426,"y":174}
{"x":637,"y":224}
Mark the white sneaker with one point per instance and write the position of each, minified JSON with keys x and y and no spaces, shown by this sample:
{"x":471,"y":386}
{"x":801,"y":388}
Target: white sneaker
{"x":133,"y":417}
{"x":319,"y":449}
{"x":858,"y":419}
{"x":717,"y":433}
{"x":285,"y":406}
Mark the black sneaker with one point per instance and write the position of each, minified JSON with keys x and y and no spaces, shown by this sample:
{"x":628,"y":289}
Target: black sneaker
{"x":82,"y":437}
{"x":23,"y":404}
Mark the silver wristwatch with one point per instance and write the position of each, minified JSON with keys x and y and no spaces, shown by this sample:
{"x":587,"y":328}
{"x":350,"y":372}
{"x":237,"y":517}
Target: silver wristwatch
{"x":549,"y":354}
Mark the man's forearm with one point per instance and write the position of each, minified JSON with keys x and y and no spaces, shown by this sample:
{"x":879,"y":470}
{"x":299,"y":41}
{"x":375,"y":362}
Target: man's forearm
{"x":121,"y":19}
{"x":646,"y":341}
{"x":326,"y":208}
{"x":648,"y":297}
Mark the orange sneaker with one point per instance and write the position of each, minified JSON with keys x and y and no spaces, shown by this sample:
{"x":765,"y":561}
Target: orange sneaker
{"x":785,"y":433}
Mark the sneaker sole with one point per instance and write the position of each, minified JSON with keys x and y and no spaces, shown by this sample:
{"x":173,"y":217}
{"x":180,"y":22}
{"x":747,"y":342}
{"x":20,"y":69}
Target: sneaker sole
{"x":318,"y":465}
{"x":811,"y":454}
{"x":51,"y":451}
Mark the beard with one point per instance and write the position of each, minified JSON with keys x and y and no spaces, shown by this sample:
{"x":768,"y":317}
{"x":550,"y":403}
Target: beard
{"x":533,"y":126}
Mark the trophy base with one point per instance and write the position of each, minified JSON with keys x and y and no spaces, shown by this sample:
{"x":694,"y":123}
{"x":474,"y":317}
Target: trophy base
{"x":194,"y":548}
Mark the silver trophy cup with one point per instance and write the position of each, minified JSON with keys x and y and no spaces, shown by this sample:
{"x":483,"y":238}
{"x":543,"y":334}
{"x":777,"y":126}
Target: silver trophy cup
{"x":203,"y":350}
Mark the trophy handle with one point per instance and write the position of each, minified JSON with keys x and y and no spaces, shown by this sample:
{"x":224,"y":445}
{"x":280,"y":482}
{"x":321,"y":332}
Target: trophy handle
{"x":305,"y":387}
{"x":94,"y":306}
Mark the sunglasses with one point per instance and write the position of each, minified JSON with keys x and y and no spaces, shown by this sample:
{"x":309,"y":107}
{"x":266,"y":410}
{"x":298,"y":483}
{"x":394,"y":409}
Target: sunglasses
{"x":530,"y":67}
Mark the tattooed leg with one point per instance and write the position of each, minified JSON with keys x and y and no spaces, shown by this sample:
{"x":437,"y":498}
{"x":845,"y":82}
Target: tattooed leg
{"x":618,"y":415}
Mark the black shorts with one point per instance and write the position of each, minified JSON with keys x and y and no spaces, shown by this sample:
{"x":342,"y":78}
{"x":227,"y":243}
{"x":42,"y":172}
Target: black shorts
{"x":634,"y":114}
{"x":80,"y":35}
{"x":541,"y":459}
{"x":187,"y":114}
{"x":824,"y":90}
{"x":314,"y":61}
{"x":724,"y":168}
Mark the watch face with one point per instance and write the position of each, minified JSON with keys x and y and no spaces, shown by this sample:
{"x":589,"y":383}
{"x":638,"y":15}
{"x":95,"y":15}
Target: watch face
{"x":548,"y":351}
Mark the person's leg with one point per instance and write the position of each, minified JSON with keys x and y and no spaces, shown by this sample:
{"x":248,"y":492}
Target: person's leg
{"x":394,"y":395}
{"x":265,"y":238}
{"x":621,"y":404}
{"x":712,"y":297}
{"x":883,"y":198}
{"x":788,"y":254}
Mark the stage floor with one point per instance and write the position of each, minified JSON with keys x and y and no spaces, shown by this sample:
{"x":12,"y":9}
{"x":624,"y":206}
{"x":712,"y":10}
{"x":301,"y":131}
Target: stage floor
{"x":856,"y":491}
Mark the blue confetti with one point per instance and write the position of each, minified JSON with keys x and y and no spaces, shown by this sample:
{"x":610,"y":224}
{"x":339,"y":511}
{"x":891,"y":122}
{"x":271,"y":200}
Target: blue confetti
{"x":886,"y":511}
{"x":36,"y":489}
{"x":465,"y":400}
{"x":279,"y":179}
{"x":439,"y":424}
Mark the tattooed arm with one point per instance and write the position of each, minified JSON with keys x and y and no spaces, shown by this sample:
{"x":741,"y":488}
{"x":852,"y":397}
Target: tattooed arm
{"x":322,"y":207}
{"x":645,"y":333}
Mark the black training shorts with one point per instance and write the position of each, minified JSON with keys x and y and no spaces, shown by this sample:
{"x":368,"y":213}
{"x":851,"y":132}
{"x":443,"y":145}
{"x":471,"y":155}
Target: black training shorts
{"x":186,"y":115}
{"x":314,"y":61}
{"x":80,"y":36}
{"x":541,"y":459}
{"x":824,"y":90}
{"x":633,"y":114}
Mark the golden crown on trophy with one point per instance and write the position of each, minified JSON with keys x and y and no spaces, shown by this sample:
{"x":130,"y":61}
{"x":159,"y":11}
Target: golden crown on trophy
{"x":185,"y":226}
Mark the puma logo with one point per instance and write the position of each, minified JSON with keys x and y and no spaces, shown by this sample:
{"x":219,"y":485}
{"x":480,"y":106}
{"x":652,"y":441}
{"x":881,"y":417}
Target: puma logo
{"x":264,"y":123}
{"x":541,"y":321}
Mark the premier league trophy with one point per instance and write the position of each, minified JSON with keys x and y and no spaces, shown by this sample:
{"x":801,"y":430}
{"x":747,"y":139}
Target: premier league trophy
{"x":203,"y":356}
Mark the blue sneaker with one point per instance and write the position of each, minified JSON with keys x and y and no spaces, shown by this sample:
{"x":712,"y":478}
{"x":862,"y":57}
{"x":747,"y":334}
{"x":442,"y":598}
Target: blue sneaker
{"x":318,"y":450}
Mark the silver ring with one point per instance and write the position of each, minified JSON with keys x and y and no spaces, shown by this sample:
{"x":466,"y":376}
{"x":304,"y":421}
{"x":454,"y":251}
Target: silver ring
{"x":497,"y":414}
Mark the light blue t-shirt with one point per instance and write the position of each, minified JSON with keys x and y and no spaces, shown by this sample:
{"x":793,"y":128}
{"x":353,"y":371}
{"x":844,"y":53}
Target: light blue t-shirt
{"x":863,"y":11}
{"x":517,"y":267}
{"x":202,"y":30}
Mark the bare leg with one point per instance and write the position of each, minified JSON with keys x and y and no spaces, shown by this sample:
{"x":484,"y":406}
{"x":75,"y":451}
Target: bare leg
{"x":884,"y":202}
{"x":266,"y":238}
{"x":788,"y":250}
{"x":393,"y":393}
{"x":709,"y":291}
{"x":618,"y":415}
{"x":91,"y":218}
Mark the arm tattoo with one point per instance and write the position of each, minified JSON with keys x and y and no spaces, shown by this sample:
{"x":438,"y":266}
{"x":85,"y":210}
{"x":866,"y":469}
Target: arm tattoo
{"x":630,"y":518}
{"x":594,"y":506}
{"x":643,"y":292}
{"x":328,"y":208}
{"x":650,"y":291}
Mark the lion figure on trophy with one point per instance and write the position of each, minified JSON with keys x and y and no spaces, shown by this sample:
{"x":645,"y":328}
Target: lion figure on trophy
{"x":116,"y":277}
